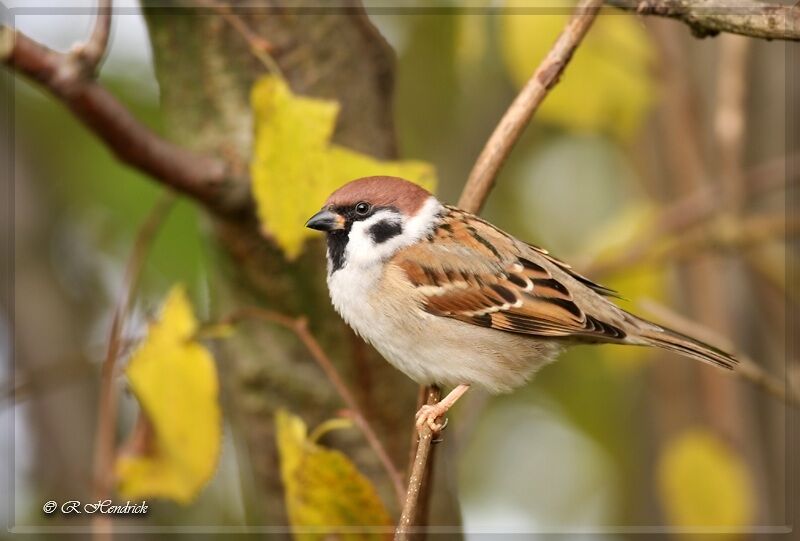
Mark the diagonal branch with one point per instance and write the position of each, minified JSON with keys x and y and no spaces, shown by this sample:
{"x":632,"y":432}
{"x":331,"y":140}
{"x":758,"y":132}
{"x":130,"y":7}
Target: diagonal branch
{"x":261,"y":48}
{"x":747,"y":369}
{"x":710,"y":17}
{"x":201,"y":177}
{"x":299,"y":326}
{"x":692,"y":211}
{"x":484,"y":172}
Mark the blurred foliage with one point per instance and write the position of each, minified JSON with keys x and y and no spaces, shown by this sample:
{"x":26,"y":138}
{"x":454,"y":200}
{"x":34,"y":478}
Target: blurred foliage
{"x":603,"y":405}
{"x":607,"y":87}
{"x":572,"y":184}
{"x":103,"y":200}
{"x":175,"y":381}
{"x":564,"y":190}
{"x":608,"y":243}
{"x":471,"y":42}
{"x":523,"y":443}
{"x":323,"y":488}
{"x":702,"y":482}
{"x":295,"y":167}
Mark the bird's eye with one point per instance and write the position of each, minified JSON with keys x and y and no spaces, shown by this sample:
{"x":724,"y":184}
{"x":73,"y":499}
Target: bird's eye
{"x":362,"y":208}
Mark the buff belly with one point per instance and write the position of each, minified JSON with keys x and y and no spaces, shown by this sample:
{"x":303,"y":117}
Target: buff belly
{"x":429,"y":348}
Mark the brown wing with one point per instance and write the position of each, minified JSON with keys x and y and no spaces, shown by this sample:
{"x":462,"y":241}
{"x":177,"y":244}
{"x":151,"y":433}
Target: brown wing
{"x":473,"y":272}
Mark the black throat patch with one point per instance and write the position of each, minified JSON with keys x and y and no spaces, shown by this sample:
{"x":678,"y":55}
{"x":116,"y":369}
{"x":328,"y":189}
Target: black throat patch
{"x":337,"y":243}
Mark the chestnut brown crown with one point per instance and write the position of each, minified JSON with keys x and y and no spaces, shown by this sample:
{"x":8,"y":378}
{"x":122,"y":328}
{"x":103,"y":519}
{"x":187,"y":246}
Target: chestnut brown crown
{"x":396,"y":192}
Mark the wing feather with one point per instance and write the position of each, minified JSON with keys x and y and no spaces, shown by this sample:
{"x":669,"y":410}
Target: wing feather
{"x":473,"y":272}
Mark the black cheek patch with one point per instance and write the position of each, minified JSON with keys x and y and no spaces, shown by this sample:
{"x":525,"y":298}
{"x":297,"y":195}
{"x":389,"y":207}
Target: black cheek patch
{"x":384,"y":230}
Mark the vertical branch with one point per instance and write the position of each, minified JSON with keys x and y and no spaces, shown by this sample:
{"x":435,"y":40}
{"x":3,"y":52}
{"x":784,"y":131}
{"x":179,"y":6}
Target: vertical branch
{"x":721,"y":396}
{"x":704,"y":279}
{"x":91,"y":53}
{"x":107,"y":408}
{"x":476,"y":190}
{"x":420,"y":471}
{"x":729,"y":118}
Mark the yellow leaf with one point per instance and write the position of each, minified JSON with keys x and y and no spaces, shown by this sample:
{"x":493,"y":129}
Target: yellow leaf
{"x":702,"y":482}
{"x":642,"y":281}
{"x":607,"y":85}
{"x":295,"y":166}
{"x":324,"y":490}
{"x":174,"y":379}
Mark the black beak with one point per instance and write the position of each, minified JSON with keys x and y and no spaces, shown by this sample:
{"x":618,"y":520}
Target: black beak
{"x":325,"y":220}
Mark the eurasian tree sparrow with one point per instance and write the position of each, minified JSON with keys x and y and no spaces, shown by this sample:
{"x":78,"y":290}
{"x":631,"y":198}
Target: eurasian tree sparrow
{"x":448,"y":298}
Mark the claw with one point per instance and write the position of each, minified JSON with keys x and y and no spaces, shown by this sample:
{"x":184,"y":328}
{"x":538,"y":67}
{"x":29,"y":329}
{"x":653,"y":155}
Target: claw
{"x":427,"y":415}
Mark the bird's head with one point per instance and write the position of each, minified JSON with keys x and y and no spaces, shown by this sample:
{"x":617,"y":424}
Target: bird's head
{"x":367,"y":220}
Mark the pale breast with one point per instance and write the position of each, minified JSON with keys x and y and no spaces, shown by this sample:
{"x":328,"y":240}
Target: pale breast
{"x":385,"y":309}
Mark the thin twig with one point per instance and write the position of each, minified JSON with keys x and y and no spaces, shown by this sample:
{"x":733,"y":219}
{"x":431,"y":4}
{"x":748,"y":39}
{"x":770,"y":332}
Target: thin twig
{"x":723,"y":234}
{"x":686,"y":213}
{"x":747,"y":368}
{"x":420,"y":471}
{"x":484,"y":172}
{"x":299,"y":326}
{"x":710,"y":17}
{"x":91,"y":53}
{"x":201,"y":177}
{"x":107,"y":409}
{"x":260,"y":47}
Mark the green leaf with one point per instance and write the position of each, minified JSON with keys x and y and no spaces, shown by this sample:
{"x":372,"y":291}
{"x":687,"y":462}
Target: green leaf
{"x":324,"y":490}
{"x":295,"y":166}
{"x":606,"y":87}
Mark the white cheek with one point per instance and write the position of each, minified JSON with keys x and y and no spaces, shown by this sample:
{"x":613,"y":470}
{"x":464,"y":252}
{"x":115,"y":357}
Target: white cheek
{"x":359,"y":245}
{"x":362,"y":250}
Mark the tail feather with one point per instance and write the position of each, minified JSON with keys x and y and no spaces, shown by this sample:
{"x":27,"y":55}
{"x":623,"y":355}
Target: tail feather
{"x":687,"y":346}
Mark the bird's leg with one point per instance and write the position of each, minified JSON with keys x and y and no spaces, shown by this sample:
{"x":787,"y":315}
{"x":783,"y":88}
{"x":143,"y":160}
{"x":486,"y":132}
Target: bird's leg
{"x":428,"y":414}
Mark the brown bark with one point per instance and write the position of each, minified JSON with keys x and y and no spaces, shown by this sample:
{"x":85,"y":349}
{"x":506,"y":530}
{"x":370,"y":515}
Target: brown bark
{"x":766,"y":20}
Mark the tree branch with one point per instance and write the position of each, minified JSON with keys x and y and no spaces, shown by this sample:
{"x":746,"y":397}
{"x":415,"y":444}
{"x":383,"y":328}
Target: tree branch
{"x":710,"y":17}
{"x":198,"y":176}
{"x":420,"y":471}
{"x":747,"y":369}
{"x":91,"y":53}
{"x":484,"y":172}
{"x":689,"y":212}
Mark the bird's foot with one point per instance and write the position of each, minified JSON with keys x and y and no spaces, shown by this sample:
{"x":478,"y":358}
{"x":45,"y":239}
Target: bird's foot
{"x":428,"y":415}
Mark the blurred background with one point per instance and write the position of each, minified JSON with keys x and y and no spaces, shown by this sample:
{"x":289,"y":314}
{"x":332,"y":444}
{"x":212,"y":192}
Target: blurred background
{"x":659,"y":166}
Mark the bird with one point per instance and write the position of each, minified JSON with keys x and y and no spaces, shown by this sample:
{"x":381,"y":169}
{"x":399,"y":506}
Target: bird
{"x":449,"y":299}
